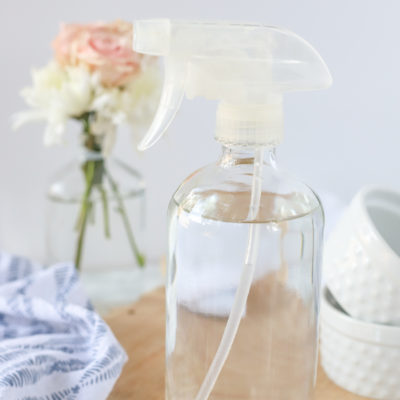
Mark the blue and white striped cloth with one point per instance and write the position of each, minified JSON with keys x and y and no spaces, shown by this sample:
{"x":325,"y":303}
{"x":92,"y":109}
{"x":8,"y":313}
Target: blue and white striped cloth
{"x":53,"y":346}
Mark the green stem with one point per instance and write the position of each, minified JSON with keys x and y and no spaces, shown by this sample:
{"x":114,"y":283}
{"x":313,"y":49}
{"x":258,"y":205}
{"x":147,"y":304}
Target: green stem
{"x":89,"y":169}
{"x":104,"y":201}
{"x":140,"y":259}
{"x":94,"y":171}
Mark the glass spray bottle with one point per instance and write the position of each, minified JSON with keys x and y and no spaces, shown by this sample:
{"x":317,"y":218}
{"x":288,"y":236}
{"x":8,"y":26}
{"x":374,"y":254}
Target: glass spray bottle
{"x":245,"y":239}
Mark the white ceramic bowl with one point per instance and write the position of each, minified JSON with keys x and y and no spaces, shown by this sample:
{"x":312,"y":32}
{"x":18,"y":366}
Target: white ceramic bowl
{"x":362,"y":257}
{"x":363,"y":358}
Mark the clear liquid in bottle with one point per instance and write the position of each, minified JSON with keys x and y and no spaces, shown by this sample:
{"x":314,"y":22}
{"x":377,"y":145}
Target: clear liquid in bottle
{"x":274,"y":353}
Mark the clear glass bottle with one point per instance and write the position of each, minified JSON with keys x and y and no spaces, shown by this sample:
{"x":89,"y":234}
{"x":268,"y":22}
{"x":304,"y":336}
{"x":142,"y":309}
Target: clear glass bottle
{"x":245,"y":239}
{"x":274,"y":352}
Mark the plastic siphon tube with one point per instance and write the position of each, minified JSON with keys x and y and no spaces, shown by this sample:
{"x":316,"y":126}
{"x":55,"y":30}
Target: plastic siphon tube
{"x":243,"y":289}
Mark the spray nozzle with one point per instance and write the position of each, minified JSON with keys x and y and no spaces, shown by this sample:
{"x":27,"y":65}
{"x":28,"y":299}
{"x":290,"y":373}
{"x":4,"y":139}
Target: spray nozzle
{"x":246,"y":67}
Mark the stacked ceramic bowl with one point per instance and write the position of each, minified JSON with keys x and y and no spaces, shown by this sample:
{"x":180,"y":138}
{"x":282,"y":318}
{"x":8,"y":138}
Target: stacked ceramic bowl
{"x":360,"y":313}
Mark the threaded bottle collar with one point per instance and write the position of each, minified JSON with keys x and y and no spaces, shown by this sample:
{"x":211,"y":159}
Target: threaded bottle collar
{"x":250,"y":124}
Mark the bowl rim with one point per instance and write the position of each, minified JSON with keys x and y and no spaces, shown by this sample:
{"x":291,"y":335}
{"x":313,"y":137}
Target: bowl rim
{"x":361,"y":198}
{"x":379,"y":334}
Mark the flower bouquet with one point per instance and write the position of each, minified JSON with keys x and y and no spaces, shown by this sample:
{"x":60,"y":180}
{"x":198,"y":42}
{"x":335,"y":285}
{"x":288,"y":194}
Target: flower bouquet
{"x":98,"y":80}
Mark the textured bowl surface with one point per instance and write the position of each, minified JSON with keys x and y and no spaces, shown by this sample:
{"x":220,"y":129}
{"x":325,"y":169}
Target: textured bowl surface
{"x":362,"y":358}
{"x":361,"y":269}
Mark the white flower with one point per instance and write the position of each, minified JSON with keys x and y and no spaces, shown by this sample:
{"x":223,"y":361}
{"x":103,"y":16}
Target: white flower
{"x":135,"y":103}
{"x":60,"y":92}
{"x":106,"y":104}
{"x":57,"y":94}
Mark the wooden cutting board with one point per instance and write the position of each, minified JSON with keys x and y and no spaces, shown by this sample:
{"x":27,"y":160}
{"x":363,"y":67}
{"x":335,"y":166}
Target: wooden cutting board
{"x":140,"y":330}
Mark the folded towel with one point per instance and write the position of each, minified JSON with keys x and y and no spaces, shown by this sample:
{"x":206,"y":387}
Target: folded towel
{"x":53,"y":346}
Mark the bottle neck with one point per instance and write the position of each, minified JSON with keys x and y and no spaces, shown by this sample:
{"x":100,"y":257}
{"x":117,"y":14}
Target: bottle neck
{"x":239,"y":155}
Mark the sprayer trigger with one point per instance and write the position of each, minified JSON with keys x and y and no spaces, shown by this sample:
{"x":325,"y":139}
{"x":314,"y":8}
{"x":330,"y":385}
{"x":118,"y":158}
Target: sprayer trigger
{"x":171,"y":99}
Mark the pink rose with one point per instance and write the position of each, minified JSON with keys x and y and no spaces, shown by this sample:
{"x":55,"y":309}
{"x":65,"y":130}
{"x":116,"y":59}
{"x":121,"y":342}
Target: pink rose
{"x":103,"y":48}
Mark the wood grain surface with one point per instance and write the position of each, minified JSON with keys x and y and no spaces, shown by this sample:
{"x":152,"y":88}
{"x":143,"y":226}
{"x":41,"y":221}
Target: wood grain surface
{"x":140,"y":330}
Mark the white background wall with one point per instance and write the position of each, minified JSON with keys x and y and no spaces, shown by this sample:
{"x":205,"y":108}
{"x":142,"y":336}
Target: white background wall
{"x":336,"y":140}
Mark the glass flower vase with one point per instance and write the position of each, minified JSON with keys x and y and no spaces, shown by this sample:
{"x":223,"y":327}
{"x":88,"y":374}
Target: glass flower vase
{"x":96,"y":218}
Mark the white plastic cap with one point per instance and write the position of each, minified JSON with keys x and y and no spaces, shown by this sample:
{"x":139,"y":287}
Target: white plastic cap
{"x":250,"y":125}
{"x":246,"y":67}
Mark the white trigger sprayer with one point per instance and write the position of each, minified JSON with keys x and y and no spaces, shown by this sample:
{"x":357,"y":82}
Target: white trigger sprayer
{"x":247,"y":68}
